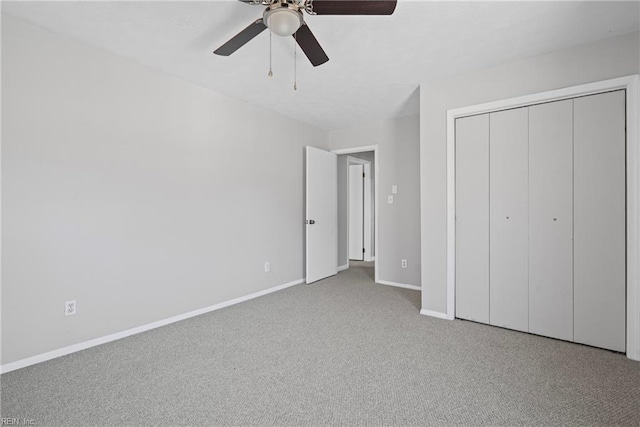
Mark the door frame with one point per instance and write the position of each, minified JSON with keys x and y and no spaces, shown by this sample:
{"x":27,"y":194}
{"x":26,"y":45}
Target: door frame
{"x":631,"y":84}
{"x":366,"y":196}
{"x":376,"y":190}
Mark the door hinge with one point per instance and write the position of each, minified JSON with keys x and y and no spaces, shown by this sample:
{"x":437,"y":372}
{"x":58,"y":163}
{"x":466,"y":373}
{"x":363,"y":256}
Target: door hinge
{"x":363,"y":174}
{"x":362,"y":250}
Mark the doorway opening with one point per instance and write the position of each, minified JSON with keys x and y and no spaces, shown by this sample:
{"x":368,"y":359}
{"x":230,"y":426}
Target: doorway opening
{"x":357,"y":213}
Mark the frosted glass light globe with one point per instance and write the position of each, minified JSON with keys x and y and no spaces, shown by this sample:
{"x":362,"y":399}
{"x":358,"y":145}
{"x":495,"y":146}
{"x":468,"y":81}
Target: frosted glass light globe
{"x":283,"y":22}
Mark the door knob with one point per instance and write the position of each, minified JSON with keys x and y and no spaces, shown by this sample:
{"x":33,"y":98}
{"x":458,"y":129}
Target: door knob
{"x":310,"y":221}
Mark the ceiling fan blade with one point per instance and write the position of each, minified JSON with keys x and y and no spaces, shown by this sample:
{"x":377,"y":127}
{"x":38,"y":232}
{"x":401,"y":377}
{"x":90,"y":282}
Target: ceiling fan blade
{"x":353,"y":7}
{"x":310,"y":46}
{"x":241,"y":38}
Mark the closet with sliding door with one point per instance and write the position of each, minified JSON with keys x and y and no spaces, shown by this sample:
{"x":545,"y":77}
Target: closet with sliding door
{"x":540,"y":219}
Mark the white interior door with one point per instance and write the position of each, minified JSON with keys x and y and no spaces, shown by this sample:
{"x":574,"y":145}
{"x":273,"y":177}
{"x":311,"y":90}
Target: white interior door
{"x":368,"y":213}
{"x":472,"y":218}
{"x":322,"y":214}
{"x":551,"y":219}
{"x":509,"y":222}
{"x":599,"y":221}
{"x":356,"y":212}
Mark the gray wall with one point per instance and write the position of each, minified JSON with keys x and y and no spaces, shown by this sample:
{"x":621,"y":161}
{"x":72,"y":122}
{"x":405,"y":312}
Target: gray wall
{"x":139,"y":195}
{"x":398,"y":162}
{"x":602,"y":60}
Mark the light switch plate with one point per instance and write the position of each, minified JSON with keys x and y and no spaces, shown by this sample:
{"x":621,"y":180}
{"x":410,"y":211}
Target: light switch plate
{"x":390,"y":199}
{"x":394,"y":189}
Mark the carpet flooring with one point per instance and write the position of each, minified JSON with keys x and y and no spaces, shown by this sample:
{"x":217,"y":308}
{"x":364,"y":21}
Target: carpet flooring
{"x":342,"y":351}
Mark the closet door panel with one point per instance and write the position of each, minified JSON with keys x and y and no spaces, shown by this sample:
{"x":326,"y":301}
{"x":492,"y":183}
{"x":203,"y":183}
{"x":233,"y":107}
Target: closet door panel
{"x":599,"y":220}
{"x":551,"y":219}
{"x":508,"y":253}
{"x":472,"y":218}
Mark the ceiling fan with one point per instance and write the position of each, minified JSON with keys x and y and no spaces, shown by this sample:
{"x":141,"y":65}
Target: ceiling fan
{"x":284,"y":18}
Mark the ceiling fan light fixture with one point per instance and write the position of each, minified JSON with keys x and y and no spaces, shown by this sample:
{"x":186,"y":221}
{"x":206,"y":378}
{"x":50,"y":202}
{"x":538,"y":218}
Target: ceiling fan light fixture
{"x":283,"y":21}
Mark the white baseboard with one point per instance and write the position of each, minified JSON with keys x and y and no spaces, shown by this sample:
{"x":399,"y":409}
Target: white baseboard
{"x":108,"y":338}
{"x":436,"y":314}
{"x":399,"y":285}
{"x":343,"y":267}
{"x":369,"y":259}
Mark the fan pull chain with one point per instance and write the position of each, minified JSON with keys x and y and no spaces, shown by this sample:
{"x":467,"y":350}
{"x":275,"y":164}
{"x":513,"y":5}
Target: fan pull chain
{"x":270,"y":72}
{"x":295,"y":68}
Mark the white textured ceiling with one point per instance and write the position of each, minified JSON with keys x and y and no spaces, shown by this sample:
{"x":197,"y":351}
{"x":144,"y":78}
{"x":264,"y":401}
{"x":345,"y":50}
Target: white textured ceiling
{"x":376,"y":62}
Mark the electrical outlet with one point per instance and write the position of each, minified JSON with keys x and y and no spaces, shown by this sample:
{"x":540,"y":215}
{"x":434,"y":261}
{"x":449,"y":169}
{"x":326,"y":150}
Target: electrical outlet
{"x":404,"y":263}
{"x":267,"y":267}
{"x":70,"y":308}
